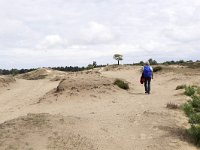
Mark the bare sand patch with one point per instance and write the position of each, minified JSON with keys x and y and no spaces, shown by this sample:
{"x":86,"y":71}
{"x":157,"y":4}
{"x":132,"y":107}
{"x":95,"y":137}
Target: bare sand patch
{"x":44,"y":132}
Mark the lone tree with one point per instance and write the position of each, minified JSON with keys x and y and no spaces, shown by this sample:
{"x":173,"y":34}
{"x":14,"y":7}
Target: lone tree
{"x":152,"y":62}
{"x":94,"y":64}
{"x":118,"y":57}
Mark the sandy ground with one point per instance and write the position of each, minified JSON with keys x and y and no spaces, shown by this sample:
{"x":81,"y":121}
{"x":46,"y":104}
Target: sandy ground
{"x":87,"y":112}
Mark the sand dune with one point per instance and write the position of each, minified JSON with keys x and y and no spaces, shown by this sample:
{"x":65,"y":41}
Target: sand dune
{"x":85,"y":84}
{"x":6,"y":80}
{"x":85,"y":111}
{"x":42,"y":73}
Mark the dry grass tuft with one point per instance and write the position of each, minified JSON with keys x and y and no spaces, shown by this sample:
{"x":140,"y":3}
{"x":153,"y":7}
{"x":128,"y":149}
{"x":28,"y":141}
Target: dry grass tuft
{"x":172,"y":105}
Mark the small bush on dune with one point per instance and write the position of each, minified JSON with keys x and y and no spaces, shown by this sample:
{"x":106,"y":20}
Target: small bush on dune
{"x":192,"y":110}
{"x":195,"y":101}
{"x":181,"y":87}
{"x":158,"y":68}
{"x":188,"y":109}
{"x":189,"y":91}
{"x":198,"y":90}
{"x":121,"y":84}
{"x":194,"y":132}
{"x":194,"y":118}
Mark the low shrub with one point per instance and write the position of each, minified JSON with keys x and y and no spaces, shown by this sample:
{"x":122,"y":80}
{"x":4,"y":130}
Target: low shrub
{"x":189,"y":91}
{"x":194,"y":118}
{"x":192,"y":110}
{"x":157,"y":68}
{"x":121,"y":84}
{"x":192,"y":106}
{"x":194,"y":132}
{"x":198,"y":90}
{"x":181,"y":87}
{"x":195,"y":101}
{"x":188,"y":109}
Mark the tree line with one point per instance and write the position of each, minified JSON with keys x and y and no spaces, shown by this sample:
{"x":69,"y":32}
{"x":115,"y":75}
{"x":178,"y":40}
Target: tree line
{"x":94,"y":65}
{"x":179,"y":62}
{"x":66,"y":69}
{"x":14,"y":71}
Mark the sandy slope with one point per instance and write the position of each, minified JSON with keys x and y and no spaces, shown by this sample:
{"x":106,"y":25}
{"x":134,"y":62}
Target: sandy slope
{"x":22,"y":94}
{"x":95,"y":115}
{"x":6,"y":80}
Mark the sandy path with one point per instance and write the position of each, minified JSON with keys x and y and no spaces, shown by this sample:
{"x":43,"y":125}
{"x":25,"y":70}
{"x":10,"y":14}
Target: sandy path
{"x":119,"y":121}
{"x":149,"y":124}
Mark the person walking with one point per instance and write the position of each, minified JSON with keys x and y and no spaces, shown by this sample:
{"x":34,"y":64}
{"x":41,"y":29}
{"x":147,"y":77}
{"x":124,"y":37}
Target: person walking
{"x":148,"y":75}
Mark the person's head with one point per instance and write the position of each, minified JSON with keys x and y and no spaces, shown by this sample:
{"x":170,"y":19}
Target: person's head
{"x":147,"y":63}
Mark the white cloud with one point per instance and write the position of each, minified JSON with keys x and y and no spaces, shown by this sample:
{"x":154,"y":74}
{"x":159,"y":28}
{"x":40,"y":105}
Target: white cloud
{"x":52,"y":42}
{"x":96,"y":33}
{"x":183,"y":33}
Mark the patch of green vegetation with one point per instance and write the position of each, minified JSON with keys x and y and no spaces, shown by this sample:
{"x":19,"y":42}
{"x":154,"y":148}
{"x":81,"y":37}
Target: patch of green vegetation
{"x":194,"y":132}
{"x":198,"y":90}
{"x":189,"y":90}
{"x":188,"y":109}
{"x":195,"y":101}
{"x":194,"y":118}
{"x":121,"y":84}
{"x":192,"y":110}
{"x":157,"y":69}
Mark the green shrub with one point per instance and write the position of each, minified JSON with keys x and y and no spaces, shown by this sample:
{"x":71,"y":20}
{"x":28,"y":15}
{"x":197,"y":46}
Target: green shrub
{"x":198,"y":90}
{"x":189,"y":91}
{"x":158,"y":68}
{"x":181,"y":87}
{"x":195,"y":101}
{"x":192,"y":110}
{"x":121,"y":84}
{"x":194,"y":118}
{"x":194,"y":132}
{"x":188,"y":109}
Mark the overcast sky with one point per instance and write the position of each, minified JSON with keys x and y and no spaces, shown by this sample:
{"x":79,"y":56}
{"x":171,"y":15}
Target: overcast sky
{"x":36,"y":33}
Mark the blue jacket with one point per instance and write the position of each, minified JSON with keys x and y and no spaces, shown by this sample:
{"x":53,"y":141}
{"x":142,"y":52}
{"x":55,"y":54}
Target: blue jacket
{"x":147,"y":72}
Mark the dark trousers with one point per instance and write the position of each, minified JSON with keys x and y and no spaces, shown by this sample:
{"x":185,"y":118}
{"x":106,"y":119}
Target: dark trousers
{"x":147,"y":85}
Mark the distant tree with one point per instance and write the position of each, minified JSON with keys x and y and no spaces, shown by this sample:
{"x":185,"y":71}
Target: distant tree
{"x":94,"y":64}
{"x":172,"y":62}
{"x":118,"y":57}
{"x":90,"y":66}
{"x":5,"y":72}
{"x":141,"y":63}
{"x":152,"y":62}
{"x":181,"y":61}
{"x":190,"y":61}
{"x":14,"y":71}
